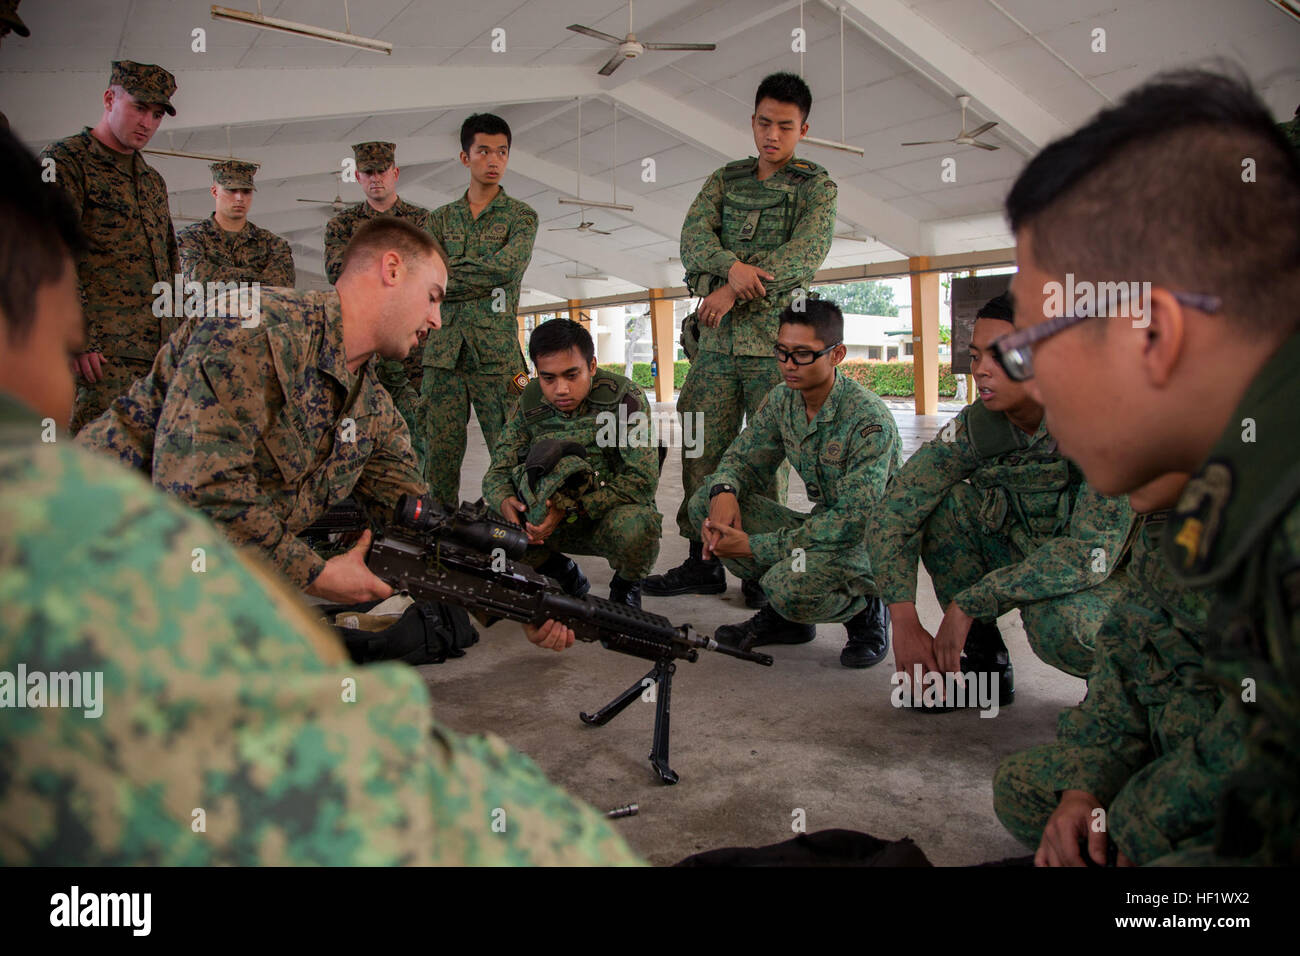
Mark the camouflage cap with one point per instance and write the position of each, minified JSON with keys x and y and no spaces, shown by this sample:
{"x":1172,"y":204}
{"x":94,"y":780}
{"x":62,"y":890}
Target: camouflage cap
{"x":9,"y":19}
{"x":233,"y":174}
{"x":146,"y":82}
{"x":374,"y":157}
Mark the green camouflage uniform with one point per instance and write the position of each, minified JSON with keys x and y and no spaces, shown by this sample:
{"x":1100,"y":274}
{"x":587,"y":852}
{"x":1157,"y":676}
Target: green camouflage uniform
{"x":1236,"y":530}
{"x":211,"y":254}
{"x":1024,"y":533}
{"x":814,"y":568}
{"x":401,"y":378}
{"x":783,"y":224}
{"x":1154,"y":740}
{"x":264,"y":428}
{"x":122,"y":203}
{"x":618,"y":520}
{"x":475,"y":357}
{"x":221,"y":694}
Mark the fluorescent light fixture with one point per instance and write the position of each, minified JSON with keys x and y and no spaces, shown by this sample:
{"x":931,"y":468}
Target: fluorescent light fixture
{"x":599,"y":205}
{"x":184,"y":155}
{"x":302,"y":30}
{"x":591,"y":276}
{"x":833,"y":144}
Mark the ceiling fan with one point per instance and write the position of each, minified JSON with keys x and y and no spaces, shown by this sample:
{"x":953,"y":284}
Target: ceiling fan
{"x":336,"y":204}
{"x":965,"y":137}
{"x":629,"y":48}
{"x":583,"y":226}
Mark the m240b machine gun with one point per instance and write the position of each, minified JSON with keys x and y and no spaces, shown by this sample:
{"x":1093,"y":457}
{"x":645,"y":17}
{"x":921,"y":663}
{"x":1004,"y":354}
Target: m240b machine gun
{"x":468,"y":556}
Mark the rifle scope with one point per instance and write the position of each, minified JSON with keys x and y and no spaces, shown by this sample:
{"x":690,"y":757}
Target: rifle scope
{"x":473,"y":527}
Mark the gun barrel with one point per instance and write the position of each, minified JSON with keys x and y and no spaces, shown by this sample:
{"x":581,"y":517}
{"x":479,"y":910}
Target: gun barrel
{"x":709,"y":644}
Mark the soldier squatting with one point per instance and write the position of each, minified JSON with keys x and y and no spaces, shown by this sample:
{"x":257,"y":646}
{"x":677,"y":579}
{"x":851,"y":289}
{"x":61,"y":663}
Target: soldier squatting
{"x":1148,"y":550}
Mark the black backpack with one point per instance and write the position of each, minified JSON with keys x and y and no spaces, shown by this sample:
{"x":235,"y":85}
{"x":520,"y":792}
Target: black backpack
{"x":428,"y":632}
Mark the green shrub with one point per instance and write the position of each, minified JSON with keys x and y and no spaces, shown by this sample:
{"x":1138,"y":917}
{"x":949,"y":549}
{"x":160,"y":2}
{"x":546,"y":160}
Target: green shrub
{"x":641,"y":373}
{"x":884,"y":378}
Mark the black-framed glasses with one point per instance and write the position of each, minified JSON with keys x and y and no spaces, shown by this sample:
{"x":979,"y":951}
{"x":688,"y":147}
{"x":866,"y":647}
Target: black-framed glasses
{"x":802,"y":356}
{"x":1014,"y":351}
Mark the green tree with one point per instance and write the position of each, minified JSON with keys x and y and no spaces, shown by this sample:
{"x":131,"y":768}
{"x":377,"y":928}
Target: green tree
{"x":861,"y":298}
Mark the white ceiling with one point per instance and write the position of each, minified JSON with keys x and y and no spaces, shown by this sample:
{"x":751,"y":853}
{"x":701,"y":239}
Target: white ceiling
{"x":295,"y":105}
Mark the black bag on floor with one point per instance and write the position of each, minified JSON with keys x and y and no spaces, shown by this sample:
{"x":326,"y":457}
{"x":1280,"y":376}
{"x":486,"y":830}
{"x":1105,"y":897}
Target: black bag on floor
{"x":428,"y":632}
{"x":823,"y":848}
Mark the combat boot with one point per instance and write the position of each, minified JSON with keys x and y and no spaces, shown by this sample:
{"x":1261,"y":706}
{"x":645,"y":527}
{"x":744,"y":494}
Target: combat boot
{"x":625,"y":592}
{"x":868,"y":632}
{"x":566,"y":573}
{"x":693,"y":576}
{"x":765,"y":627}
{"x":985,"y":651}
{"x":755,"y":596}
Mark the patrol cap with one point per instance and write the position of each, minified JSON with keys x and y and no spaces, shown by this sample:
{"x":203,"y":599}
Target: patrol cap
{"x":9,"y":19}
{"x":146,"y":82}
{"x":233,"y":174}
{"x":374,"y":157}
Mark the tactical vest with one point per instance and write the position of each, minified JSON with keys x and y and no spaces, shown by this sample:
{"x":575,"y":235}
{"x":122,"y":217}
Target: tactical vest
{"x":1036,"y":486}
{"x":597,"y":429}
{"x":758,"y":217}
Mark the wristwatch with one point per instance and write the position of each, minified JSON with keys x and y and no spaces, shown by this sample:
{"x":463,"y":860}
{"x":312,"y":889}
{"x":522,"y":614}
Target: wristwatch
{"x":721,"y":489}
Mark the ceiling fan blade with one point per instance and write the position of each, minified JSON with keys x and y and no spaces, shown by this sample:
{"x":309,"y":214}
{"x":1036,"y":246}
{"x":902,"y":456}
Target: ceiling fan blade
{"x":926,"y":142}
{"x":982,"y":129}
{"x":563,"y":228}
{"x":613,"y":64}
{"x":599,"y":232}
{"x":325,"y":201}
{"x":680,"y":46}
{"x":984,"y":146}
{"x":588,"y":31}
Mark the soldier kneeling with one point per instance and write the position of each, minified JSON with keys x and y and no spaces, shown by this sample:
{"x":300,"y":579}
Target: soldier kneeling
{"x":842,"y":440}
{"x":571,"y":471}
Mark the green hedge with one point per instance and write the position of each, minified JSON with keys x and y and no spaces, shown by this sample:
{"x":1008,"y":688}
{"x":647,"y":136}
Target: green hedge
{"x":883,"y":378}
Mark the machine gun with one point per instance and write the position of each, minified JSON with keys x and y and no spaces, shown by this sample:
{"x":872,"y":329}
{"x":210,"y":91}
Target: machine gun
{"x":464,"y":557}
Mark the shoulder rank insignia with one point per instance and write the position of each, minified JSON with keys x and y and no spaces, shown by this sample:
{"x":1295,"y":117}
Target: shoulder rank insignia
{"x":520,"y":381}
{"x":1198,"y":516}
{"x":870,"y":430}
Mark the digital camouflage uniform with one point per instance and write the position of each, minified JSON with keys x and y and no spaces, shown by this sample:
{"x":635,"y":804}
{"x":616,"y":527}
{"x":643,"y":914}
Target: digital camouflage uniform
{"x":211,"y":254}
{"x":845,"y":456}
{"x":401,"y":378}
{"x":619,"y":520}
{"x":1023,"y":533}
{"x":783,"y":224}
{"x":264,"y":428}
{"x":475,"y":356}
{"x":1154,"y":740}
{"x":1236,"y":531}
{"x":221,"y":694}
{"x":130,"y":245}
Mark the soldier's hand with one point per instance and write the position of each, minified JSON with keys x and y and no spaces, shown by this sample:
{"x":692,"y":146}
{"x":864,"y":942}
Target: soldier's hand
{"x":1068,"y":825}
{"x":715,"y":305}
{"x":512,"y":510}
{"x":345,"y":579}
{"x":538,"y":533}
{"x":913,"y":644}
{"x":747,"y":280}
{"x":552,"y":635}
{"x":88,"y":366}
{"x":724,"y":512}
{"x":728,"y":542}
{"x":950,"y":640}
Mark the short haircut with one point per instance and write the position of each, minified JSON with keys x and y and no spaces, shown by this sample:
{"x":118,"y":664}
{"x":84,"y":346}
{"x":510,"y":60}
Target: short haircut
{"x":560,"y":335}
{"x":1153,"y":189}
{"x":488,"y":124}
{"x":39,"y":235}
{"x":998,"y":307}
{"x":785,"y":88}
{"x":378,"y":235}
{"x":823,"y":315}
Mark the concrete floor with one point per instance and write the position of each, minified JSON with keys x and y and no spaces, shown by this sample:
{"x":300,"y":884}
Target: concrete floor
{"x":753,"y":745}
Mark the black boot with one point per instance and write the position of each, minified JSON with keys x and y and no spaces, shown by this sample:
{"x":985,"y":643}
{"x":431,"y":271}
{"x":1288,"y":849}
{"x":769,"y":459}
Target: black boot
{"x":765,"y":627}
{"x":985,"y":651}
{"x":755,"y":596}
{"x":625,"y":592}
{"x":868,"y":632}
{"x":566,"y":573}
{"x":693,"y":576}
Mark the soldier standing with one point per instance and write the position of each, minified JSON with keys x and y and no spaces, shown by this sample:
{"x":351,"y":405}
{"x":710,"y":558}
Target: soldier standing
{"x":226,"y":247}
{"x":1001,"y":520}
{"x":752,"y":241}
{"x":596,"y":493}
{"x":377,"y":173}
{"x":474,"y":358}
{"x":131,"y":245}
{"x":843,"y":442}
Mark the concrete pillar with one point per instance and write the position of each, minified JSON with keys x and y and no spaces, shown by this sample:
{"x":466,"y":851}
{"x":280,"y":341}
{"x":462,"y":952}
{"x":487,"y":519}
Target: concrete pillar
{"x":925,"y":335}
{"x":665,"y":349}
